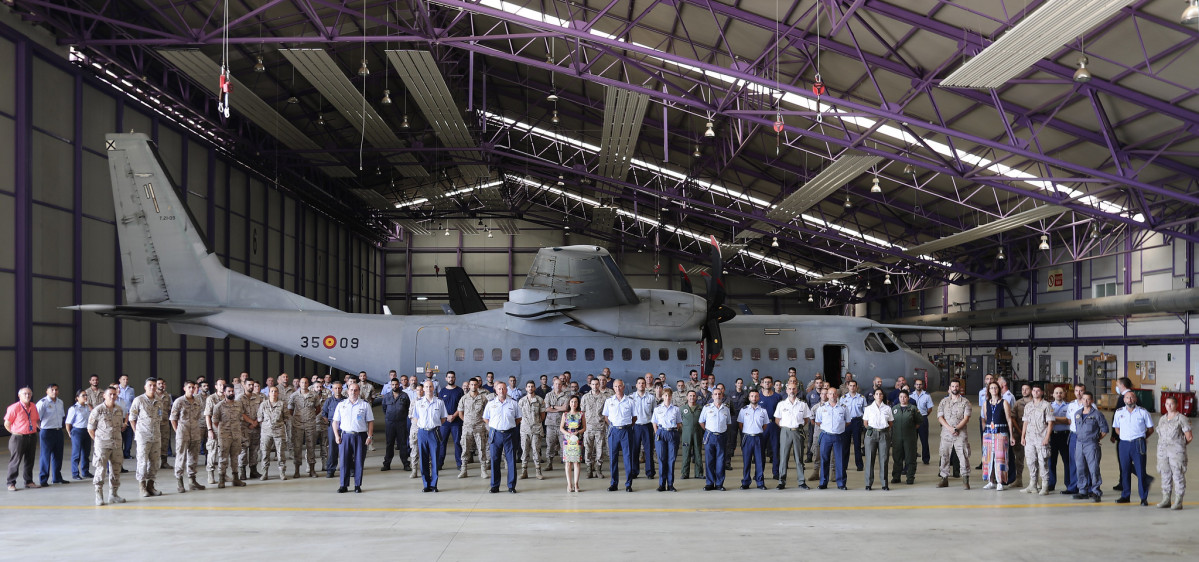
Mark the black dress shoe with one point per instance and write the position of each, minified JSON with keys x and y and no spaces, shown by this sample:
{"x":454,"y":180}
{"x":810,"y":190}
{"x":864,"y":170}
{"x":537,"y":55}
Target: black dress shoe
{"x":342,"y":490}
{"x":823,"y":486}
{"x":1144,"y":502}
{"x":745,"y":486}
{"x":495,"y":489}
{"x":1080,"y":496}
{"x":911,"y":480}
{"x":1068,"y":492}
{"x":803,"y":486}
{"x":842,"y":487}
{"x":1123,"y":500}
{"x":407,"y":468}
{"x":686,"y":477}
{"x":628,"y":488}
{"x":427,"y":489}
{"x":671,"y":488}
{"x":1052,"y":488}
{"x":612,"y":488}
{"x":895,"y":480}
{"x":1118,"y":487}
{"x":124,"y":471}
{"x":867,"y":488}
{"x":661,"y":488}
{"x":709,"y":487}
{"x":357,"y":489}
{"x":979,"y":467}
{"x":511,"y":490}
{"x":780,"y":487}
{"x":886,"y":487}
{"x":385,"y":468}
{"x":435,"y":490}
{"x":761,"y":486}
{"x":721,"y":488}
{"x":1095,"y":498}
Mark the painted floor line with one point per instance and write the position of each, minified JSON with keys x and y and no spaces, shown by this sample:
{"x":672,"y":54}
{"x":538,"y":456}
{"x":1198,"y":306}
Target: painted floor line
{"x":548,"y":511}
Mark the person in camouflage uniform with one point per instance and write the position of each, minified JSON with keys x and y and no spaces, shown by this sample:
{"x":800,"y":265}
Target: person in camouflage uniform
{"x":105,"y":425}
{"x":474,"y":431}
{"x":1173,"y":435}
{"x":164,"y":428}
{"x":1037,"y":423}
{"x":213,"y":446}
{"x":305,"y":409}
{"x":226,"y":424}
{"x":185,"y":417}
{"x":595,"y":437}
{"x":322,"y":426}
{"x":272,"y":418}
{"x":555,"y":404}
{"x":146,"y":415}
{"x":532,"y":429}
{"x":251,"y":437}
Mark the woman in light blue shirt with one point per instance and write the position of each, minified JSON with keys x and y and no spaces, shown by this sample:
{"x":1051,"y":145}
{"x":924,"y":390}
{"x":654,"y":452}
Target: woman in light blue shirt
{"x":81,"y":442}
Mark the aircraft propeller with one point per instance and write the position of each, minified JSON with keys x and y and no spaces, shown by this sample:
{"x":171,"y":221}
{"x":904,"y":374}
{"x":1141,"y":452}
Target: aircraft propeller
{"x":717,"y":311}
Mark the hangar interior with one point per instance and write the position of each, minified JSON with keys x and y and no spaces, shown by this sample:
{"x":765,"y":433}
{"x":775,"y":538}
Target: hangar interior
{"x":846,"y":154}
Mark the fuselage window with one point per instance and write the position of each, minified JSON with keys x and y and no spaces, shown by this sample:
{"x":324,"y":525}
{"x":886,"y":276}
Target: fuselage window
{"x":609,"y":354}
{"x":773,"y":353}
{"x":682,"y":354}
{"x":572,"y":354}
{"x":736,"y":354}
{"x":663,"y":354}
{"x":534,"y":354}
{"x":792,"y":354}
{"x":551,"y":354}
{"x":755,"y":354}
{"x":872,"y":344}
{"x":645,"y":354}
{"x":589,"y":354}
{"x":478,"y":354}
{"x":809,"y":354}
{"x":515,"y":354}
{"x":459,"y":354}
{"x":497,"y":354}
{"x":626,"y":354}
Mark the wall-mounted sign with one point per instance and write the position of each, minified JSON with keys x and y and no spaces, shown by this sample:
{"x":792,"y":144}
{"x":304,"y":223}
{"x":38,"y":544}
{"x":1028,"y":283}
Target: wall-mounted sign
{"x":1056,"y":280}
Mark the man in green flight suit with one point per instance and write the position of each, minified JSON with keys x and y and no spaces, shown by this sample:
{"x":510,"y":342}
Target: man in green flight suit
{"x":903,"y":438}
{"x":692,"y":441}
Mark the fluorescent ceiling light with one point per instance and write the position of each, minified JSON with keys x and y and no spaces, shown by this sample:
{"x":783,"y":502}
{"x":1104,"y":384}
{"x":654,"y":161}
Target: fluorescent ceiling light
{"x":1037,"y":36}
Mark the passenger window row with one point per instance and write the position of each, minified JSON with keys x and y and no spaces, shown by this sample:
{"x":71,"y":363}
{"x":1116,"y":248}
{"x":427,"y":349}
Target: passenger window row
{"x":571,"y":354}
{"x":755,"y":354}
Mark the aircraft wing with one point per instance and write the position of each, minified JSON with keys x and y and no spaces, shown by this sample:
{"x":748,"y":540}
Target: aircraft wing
{"x":571,"y":278}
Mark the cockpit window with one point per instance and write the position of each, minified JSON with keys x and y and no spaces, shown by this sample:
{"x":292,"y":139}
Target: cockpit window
{"x":888,"y":341}
{"x":872,"y":344}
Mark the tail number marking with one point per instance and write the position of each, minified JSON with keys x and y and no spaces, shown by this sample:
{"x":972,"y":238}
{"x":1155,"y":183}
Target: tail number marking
{"x":328,"y":342}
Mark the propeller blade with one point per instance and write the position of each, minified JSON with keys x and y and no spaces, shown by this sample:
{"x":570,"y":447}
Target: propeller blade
{"x":686,"y":281}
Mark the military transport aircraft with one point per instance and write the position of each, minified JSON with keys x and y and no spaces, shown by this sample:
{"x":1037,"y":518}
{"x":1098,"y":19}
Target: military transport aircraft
{"x":575,"y":311}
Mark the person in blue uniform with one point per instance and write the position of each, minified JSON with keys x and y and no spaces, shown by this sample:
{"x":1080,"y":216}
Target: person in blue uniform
{"x":1072,"y":444}
{"x":642,"y":438}
{"x":924,"y":403}
{"x":353,"y":427}
{"x":753,"y":420}
{"x":1059,"y":437}
{"x":769,"y":401}
{"x":502,"y":417}
{"x":1134,"y":426}
{"x":327,"y":411}
{"x":855,"y":405}
{"x":668,"y":425}
{"x":1089,"y":429}
{"x":715,"y":420}
{"x":450,"y":394}
{"x":429,"y":415}
{"x":619,"y":410}
{"x":833,"y":418}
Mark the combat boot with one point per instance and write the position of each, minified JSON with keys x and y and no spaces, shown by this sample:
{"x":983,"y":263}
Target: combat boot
{"x":193,"y":485}
{"x":266,"y":472}
{"x":1166,"y":500}
{"x":153,"y":491}
{"x":524,"y":473}
{"x":966,"y":482}
{"x":1177,"y":502}
{"x":241,"y":473}
{"x":944,"y":483}
{"x":415,"y":473}
{"x":296,"y":474}
{"x":179,"y":485}
{"x":462,"y":473}
{"x":143,"y":489}
{"x":1032,"y":487}
{"x":539,"y":476}
{"x":1045,"y":486}
{"x":114,"y":498}
{"x":99,"y":495}
{"x":254,"y":472}
{"x":283,"y":473}
{"x":312,"y":470}
{"x":238,"y":481}
{"x":212,"y":477}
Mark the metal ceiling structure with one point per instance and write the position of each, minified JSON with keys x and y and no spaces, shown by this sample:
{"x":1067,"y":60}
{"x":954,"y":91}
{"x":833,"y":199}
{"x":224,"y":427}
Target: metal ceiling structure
{"x":790,"y":89}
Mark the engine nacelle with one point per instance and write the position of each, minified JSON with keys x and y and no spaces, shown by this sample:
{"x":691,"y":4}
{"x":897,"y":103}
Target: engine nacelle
{"x":660,"y":315}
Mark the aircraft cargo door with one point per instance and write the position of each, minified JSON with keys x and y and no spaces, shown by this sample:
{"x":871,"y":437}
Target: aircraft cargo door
{"x":836,"y":359}
{"x":432,"y":350}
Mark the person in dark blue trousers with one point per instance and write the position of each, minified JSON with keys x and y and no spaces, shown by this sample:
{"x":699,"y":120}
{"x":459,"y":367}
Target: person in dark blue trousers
{"x":833,"y":419}
{"x":354,"y":424}
{"x":619,"y":410}
{"x":752,"y":420}
{"x":429,"y":414}
{"x":51,"y":414}
{"x":1059,"y":440}
{"x":81,"y":441}
{"x":502,"y":417}
{"x":1133,"y":425}
{"x":769,"y":400}
{"x":451,"y":429}
{"x":855,"y":404}
{"x":642,"y":436}
{"x":715,"y":421}
{"x":1071,"y":476}
{"x":327,"y":412}
{"x":668,"y":426}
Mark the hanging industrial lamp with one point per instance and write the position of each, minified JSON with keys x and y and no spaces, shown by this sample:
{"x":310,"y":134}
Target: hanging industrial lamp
{"x":1190,"y":16}
{"x":775,"y":242}
{"x":386,"y":97}
{"x":363,"y":70}
{"x":887,"y":279}
{"x":1082,"y":75}
{"x":404,"y":124}
{"x":709,"y":133}
{"x":555,"y":119}
{"x":1044,"y":242}
{"x":258,"y":65}
{"x":874,"y":187}
{"x":1001,"y":257}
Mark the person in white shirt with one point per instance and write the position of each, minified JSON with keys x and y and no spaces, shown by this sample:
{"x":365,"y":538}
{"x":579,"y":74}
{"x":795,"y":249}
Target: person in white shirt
{"x":353,"y":424}
{"x":668,"y":424}
{"x":620,"y":411}
{"x":427,"y":415}
{"x":793,"y":417}
{"x":715,"y":420}
{"x":878,"y":418}
{"x":502,"y":417}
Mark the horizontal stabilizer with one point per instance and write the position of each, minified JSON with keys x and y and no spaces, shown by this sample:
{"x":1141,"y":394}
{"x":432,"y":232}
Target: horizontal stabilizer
{"x":145,"y":312}
{"x":910,"y":328}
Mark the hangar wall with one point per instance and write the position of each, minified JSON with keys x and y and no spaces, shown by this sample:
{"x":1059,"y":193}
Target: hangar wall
{"x":1140,"y":263}
{"x":56,"y":198}
{"x":499,"y":264}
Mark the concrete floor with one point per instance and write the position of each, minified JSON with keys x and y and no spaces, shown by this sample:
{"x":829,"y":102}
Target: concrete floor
{"x":463,"y":521}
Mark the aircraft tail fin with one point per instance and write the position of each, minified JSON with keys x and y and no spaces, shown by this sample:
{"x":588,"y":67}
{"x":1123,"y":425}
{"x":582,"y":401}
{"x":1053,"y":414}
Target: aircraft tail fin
{"x":165,"y":259}
{"x":464,"y":298}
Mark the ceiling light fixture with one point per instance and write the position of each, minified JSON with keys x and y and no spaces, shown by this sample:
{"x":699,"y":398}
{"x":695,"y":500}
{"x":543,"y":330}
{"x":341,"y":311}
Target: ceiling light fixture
{"x":555,"y":119}
{"x":447,"y":231}
{"x":1044,"y":242}
{"x":775,"y":242}
{"x":561,"y":180}
{"x":490,"y":234}
{"x":874,"y":187}
{"x":887,"y":279}
{"x":258,"y":65}
{"x":386,"y":97}
{"x":293,"y":100}
{"x":1190,"y":16}
{"x":1001,"y":257}
{"x":909,"y":169}
{"x":848,"y":205}
{"x":810,"y":299}
{"x":320,"y":120}
{"x":1082,"y":75}
{"x":709,"y":133}
{"x":405,"y":124}
{"x":552,"y":97}
{"x":697,"y":153}
{"x":363,"y":70}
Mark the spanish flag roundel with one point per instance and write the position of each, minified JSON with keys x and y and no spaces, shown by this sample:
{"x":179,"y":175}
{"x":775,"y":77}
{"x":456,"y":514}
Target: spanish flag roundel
{"x":330,"y":342}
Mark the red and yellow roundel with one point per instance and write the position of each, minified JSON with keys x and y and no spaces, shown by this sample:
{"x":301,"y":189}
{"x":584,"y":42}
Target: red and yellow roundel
{"x":330,"y":342}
